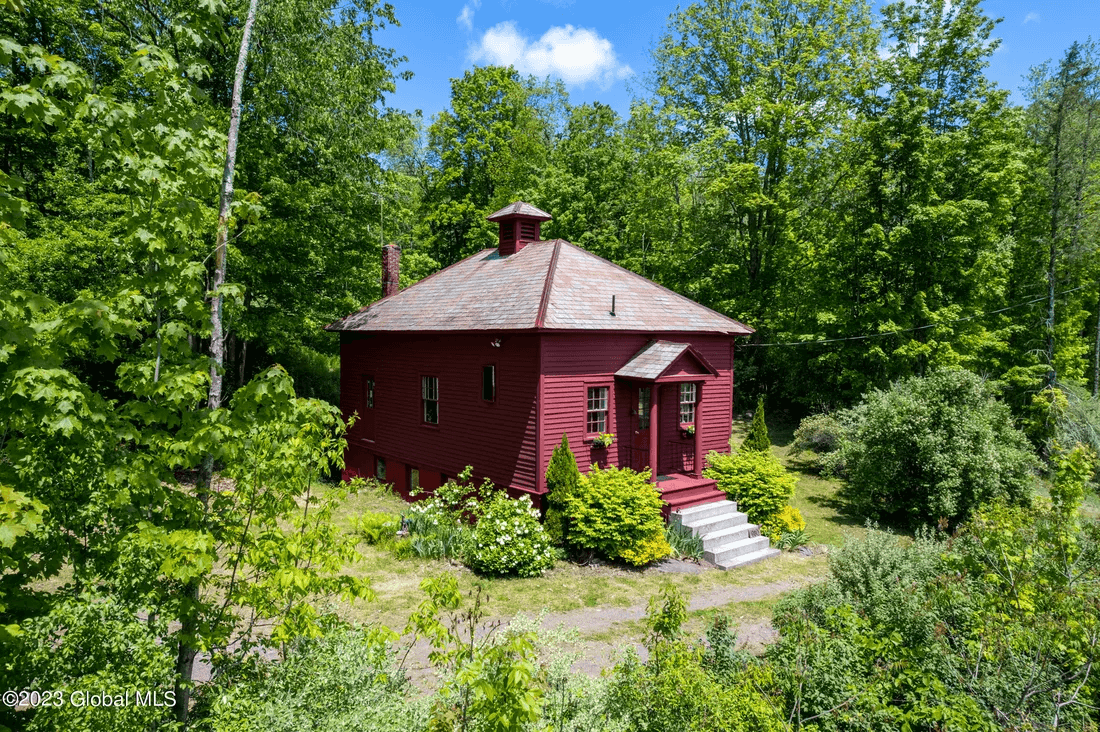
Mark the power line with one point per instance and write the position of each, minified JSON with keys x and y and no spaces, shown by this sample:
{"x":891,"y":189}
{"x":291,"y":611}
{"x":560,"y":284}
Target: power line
{"x":913,"y":330}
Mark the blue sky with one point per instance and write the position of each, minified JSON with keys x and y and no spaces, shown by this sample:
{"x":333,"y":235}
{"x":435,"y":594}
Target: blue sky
{"x":600,"y":48}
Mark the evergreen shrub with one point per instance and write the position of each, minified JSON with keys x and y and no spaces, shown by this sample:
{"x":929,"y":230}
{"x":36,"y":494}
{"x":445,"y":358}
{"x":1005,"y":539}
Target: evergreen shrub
{"x":757,"y":481}
{"x":758,"y":439}
{"x":509,"y":540}
{"x":562,"y":480}
{"x":617,"y":513}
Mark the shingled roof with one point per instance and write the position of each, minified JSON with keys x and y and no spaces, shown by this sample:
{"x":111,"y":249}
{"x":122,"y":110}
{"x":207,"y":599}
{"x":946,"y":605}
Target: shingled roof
{"x":552,"y":285}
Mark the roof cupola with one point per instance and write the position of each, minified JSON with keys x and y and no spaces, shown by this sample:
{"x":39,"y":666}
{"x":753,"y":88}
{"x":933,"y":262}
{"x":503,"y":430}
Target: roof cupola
{"x":520,"y":224}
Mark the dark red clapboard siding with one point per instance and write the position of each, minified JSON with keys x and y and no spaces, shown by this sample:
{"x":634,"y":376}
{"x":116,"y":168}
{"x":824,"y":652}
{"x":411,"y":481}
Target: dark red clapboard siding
{"x":572,"y":362}
{"x":497,"y":438}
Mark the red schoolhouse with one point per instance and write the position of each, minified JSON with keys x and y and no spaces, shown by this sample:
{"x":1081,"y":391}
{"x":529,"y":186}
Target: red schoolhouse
{"x":489,"y":361}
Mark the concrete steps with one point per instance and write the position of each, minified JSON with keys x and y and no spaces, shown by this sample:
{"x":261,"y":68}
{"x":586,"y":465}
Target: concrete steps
{"x":729,"y":540}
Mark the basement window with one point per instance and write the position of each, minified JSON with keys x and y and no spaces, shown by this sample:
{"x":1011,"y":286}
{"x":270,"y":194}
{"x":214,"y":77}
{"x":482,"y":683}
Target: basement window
{"x":380,"y":468}
{"x":687,"y":403}
{"x":597,"y":409}
{"x":429,"y":397}
{"x":489,"y":383}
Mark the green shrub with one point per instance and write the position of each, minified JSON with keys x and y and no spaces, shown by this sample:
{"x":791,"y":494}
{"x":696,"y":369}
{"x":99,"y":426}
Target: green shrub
{"x":824,"y":435}
{"x":563,"y":478}
{"x":787,"y":521}
{"x":935,"y":448}
{"x":617,"y":513}
{"x":509,"y":540}
{"x":758,"y":439}
{"x":377,"y":529}
{"x":758,"y":482}
{"x":684,"y":542}
{"x":347,"y":680}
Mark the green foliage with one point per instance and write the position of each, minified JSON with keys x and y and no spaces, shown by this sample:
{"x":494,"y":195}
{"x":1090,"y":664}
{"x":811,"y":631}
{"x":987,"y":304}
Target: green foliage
{"x":791,"y":540}
{"x":509,"y":540}
{"x":563,"y":480}
{"x":685,"y":544}
{"x":489,"y":683}
{"x":348,"y":679}
{"x":376,"y":529}
{"x":675,"y":691}
{"x":757,"y":438}
{"x":787,"y":521}
{"x":824,"y":435}
{"x":758,"y":482}
{"x":617,"y":513}
{"x":935,"y":448}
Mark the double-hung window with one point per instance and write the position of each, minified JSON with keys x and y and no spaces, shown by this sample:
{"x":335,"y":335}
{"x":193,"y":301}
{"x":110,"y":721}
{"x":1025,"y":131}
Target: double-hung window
{"x":687,"y":403}
{"x":429,"y":397}
{"x":368,"y":393}
{"x":597,"y":409}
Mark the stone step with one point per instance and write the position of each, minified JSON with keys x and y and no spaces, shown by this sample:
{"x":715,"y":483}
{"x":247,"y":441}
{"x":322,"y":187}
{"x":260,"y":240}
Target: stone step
{"x":724,"y":554}
{"x":746,"y":559}
{"x":717,"y":522}
{"x":705,"y":510}
{"x":716,"y":539}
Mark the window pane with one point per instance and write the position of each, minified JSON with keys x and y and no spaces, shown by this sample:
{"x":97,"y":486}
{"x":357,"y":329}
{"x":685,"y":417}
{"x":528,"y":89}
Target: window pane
{"x":370,"y":393}
{"x":414,"y":479}
{"x":489,"y":383}
{"x":643,"y":408}
{"x":597,"y":409}
{"x":687,"y":403}
{"x":429,"y":393}
{"x":380,"y":469}
{"x":431,"y":412}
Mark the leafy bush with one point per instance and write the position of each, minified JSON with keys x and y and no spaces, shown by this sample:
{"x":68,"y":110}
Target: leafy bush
{"x":684,"y":542}
{"x":617,"y":512}
{"x":563,"y":478}
{"x":788,"y":520}
{"x":935,"y":448}
{"x":823,"y":435}
{"x":758,"y":439}
{"x":757,"y":481}
{"x":509,"y":540}
{"x":791,"y":540}
{"x":348,"y":679}
{"x":377,"y":529}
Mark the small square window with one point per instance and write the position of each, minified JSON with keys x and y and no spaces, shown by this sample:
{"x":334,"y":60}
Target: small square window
{"x":687,"y":403}
{"x":380,"y":468}
{"x":489,"y":383}
{"x":429,"y":397}
{"x":597,"y":409}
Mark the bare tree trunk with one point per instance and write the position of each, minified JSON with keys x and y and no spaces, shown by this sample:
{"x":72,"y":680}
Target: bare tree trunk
{"x":189,"y":622}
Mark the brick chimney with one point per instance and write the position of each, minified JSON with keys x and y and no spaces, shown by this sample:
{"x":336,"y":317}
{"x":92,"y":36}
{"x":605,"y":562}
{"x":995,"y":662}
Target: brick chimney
{"x":391,"y":269}
{"x":520,"y":224}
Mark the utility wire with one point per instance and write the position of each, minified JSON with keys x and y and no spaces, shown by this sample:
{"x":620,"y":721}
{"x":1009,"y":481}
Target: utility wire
{"x":913,"y":330}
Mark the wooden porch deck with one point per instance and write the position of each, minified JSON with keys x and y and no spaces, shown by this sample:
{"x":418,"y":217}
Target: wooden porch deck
{"x":684,"y":491}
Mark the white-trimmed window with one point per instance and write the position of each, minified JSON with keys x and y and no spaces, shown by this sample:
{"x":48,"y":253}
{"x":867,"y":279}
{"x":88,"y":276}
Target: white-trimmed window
{"x":429,"y":397}
{"x":597,"y":409}
{"x":687,"y":403}
{"x":643,"y":407}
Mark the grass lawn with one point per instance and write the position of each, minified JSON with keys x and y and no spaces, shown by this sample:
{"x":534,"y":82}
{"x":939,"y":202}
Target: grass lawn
{"x":564,"y":588}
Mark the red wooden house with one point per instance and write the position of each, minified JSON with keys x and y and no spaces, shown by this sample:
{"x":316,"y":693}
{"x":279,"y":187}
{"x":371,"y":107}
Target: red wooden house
{"x":489,"y":361}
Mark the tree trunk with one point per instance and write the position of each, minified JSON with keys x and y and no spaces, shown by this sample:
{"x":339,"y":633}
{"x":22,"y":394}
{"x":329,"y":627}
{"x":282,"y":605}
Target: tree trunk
{"x":189,"y":622}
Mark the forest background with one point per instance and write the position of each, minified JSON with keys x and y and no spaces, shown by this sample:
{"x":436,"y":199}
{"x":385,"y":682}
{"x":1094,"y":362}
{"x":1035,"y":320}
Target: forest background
{"x":820,"y":172}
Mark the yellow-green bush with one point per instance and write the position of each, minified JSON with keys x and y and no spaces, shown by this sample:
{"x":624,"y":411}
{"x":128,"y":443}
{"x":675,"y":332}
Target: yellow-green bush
{"x":617,"y":513}
{"x":758,"y":482}
{"x":788,"y":520}
{"x":377,"y":528}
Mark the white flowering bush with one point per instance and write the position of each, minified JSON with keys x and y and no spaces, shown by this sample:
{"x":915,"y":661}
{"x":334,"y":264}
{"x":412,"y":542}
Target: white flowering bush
{"x":508,"y":539}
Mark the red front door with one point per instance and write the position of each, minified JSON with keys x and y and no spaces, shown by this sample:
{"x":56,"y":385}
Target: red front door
{"x":640,"y":448}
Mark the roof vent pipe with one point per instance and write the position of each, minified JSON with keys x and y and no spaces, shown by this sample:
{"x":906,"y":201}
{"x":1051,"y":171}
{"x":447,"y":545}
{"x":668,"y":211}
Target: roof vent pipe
{"x":391,"y":269}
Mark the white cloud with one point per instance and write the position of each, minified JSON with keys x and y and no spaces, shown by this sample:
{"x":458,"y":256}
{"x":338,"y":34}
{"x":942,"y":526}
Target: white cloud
{"x":575,"y":55}
{"x":1031,"y":18}
{"x":466,"y":17}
